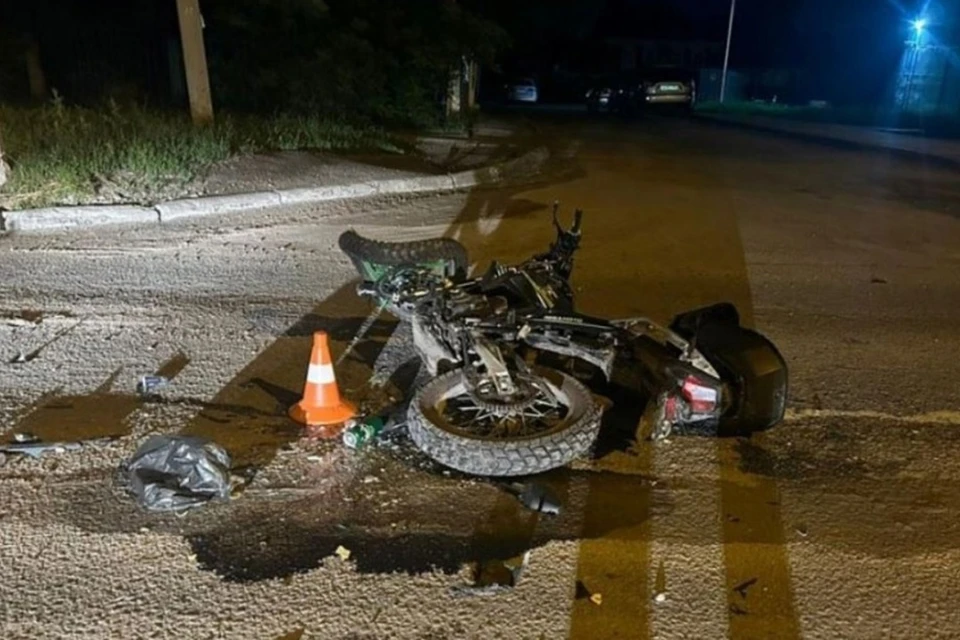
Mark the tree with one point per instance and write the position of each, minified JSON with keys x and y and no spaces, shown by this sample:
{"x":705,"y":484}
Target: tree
{"x":380,"y":60}
{"x":19,"y":25}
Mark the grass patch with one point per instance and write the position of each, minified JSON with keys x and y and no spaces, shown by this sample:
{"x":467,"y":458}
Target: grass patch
{"x":73,"y":155}
{"x":844,"y":115}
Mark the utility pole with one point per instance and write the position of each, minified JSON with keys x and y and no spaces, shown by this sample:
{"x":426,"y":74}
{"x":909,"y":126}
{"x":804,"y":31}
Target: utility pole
{"x":726,"y":55}
{"x":455,"y":79}
{"x":195,"y":61}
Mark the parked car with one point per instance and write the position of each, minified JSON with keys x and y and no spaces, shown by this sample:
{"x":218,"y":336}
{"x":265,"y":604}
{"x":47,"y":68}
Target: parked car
{"x":666,"y":87}
{"x":602,"y":94}
{"x":524,"y":90}
{"x":600,"y":99}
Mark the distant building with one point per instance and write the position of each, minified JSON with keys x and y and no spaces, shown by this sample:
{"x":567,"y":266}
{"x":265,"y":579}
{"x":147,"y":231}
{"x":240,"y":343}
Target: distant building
{"x":637,"y":53}
{"x":638,"y":35}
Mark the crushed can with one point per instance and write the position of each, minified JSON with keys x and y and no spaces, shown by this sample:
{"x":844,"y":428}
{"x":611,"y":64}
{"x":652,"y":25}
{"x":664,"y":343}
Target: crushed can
{"x":363,"y":432}
{"x":149,"y":385}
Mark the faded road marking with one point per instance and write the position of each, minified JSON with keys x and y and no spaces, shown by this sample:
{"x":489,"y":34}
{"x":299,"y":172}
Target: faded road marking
{"x":931,"y":417}
{"x":614,"y":558}
{"x":759,"y":590}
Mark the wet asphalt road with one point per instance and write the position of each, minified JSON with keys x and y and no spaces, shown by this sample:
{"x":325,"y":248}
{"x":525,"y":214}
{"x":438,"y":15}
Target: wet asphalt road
{"x":842,"y":522}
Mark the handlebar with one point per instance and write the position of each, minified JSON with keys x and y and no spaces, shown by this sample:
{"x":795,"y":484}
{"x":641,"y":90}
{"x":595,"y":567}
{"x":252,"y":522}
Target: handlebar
{"x":577,"y":219}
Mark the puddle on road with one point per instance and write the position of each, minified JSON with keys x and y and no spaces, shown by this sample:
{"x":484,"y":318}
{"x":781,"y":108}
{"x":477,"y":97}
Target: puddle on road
{"x":100,"y":414}
{"x":303,"y":551}
{"x":798,"y":464}
{"x":77,"y":418}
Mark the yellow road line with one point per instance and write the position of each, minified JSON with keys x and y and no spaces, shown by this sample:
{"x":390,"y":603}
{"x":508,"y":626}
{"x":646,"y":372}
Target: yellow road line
{"x":614,"y":559}
{"x":759,"y":592}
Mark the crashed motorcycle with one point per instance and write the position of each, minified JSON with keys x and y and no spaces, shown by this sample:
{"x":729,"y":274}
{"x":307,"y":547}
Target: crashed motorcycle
{"x":490,"y":407}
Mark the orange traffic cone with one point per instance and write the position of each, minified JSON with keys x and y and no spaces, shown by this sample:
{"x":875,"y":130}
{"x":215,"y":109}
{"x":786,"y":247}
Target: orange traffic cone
{"x":322,"y":405}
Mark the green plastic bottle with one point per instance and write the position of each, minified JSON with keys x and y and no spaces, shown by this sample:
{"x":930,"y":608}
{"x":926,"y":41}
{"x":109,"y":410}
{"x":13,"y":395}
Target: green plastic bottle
{"x":363,"y":432}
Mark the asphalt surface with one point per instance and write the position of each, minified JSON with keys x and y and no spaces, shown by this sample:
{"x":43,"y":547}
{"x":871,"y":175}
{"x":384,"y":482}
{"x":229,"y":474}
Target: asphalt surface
{"x":840,"y":523}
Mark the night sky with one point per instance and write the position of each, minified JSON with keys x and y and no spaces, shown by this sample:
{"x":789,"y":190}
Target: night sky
{"x":845,"y":40}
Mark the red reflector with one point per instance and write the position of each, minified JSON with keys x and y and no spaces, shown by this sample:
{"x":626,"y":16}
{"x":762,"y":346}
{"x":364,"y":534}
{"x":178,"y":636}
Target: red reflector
{"x":701,"y":397}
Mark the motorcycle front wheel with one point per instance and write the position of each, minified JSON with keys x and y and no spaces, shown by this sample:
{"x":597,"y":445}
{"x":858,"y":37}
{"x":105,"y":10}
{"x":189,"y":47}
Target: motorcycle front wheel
{"x":553,"y":424}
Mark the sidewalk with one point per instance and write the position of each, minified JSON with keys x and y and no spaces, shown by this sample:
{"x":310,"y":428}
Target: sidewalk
{"x":439,"y":163}
{"x":943,"y":150}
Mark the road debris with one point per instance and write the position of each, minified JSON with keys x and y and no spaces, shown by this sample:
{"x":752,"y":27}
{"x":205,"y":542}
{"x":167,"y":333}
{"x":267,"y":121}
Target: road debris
{"x":581,"y":592}
{"x":149,"y":385}
{"x":743,"y":586}
{"x":360,"y":433}
{"x":537,"y":497}
{"x":491,"y":577}
{"x":342,"y":552}
{"x":35,"y":449}
{"x":660,"y":584}
{"x":173,"y":473}
{"x":22,"y":357}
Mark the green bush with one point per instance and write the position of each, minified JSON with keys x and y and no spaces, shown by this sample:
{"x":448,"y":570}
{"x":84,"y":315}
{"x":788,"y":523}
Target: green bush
{"x":65,"y":155}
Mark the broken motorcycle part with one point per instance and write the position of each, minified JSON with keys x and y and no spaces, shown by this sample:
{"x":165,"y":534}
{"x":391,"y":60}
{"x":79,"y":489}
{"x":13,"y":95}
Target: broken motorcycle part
{"x":537,"y":497}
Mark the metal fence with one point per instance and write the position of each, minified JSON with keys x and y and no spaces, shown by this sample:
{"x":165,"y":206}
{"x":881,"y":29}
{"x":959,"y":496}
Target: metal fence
{"x":928,"y":81}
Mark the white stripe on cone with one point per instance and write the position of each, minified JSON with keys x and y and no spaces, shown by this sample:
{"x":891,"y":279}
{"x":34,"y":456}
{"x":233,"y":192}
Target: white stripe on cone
{"x":320,"y":374}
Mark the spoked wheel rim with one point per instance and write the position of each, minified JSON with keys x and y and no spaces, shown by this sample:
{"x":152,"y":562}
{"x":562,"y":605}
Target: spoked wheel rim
{"x":504,"y":454}
{"x":548,"y":405}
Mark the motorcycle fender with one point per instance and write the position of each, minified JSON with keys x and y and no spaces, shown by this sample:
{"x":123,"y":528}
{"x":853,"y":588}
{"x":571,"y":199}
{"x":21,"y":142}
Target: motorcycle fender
{"x":755,"y":372}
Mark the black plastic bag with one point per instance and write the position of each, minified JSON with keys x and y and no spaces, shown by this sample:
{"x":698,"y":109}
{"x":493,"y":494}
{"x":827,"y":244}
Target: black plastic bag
{"x":172,"y":473}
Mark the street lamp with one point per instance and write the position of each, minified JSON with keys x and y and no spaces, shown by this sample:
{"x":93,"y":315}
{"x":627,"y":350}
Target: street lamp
{"x":726,"y":55}
{"x":919,"y":25}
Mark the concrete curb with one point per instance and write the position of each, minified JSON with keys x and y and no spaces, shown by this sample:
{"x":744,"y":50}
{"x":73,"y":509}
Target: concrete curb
{"x":216,"y":205}
{"x":83,"y":217}
{"x":75,"y":217}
